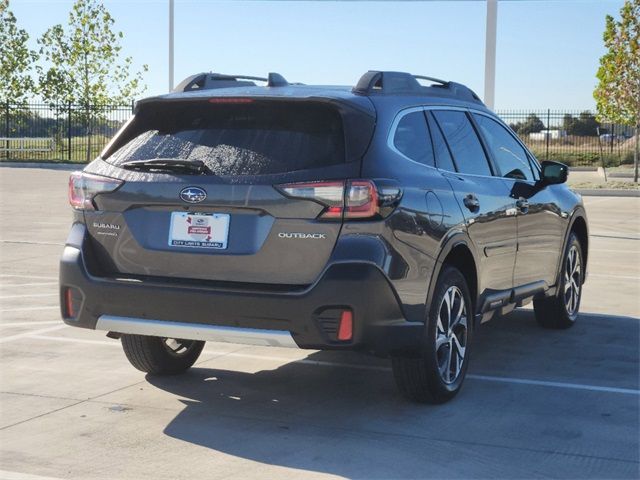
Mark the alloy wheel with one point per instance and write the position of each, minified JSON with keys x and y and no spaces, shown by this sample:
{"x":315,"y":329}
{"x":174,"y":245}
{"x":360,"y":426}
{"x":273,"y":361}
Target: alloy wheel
{"x":451,"y":335}
{"x":572,"y":281}
{"x":178,"y":347}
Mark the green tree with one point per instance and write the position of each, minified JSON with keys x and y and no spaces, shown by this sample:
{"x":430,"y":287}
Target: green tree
{"x":618,"y":92}
{"x":16,"y":59}
{"x":531,"y":124}
{"x":85,"y":67}
{"x":584,"y":125}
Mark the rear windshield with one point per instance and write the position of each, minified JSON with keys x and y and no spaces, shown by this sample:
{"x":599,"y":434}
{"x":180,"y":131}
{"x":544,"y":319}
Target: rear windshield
{"x":237,"y":139}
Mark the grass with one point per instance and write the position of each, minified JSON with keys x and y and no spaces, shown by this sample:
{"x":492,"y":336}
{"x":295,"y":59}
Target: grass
{"x":60,"y":154}
{"x":576,"y":153}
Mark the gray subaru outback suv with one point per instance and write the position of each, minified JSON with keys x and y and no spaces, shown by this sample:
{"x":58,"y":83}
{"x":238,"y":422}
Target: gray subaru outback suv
{"x":392,"y":218}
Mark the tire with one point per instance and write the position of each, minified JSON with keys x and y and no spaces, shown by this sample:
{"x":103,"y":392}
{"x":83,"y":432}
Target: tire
{"x":431,"y":376}
{"x":161,"y":356}
{"x":561,"y":310}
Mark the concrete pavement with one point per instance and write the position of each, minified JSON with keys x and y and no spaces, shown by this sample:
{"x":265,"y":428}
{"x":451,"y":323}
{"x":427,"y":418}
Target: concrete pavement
{"x":537,"y":402}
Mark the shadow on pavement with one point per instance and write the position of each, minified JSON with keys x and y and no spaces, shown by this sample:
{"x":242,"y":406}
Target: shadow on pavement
{"x":351,"y":421}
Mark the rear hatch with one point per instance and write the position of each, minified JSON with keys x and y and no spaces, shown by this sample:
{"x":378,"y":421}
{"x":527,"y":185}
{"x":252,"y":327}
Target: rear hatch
{"x":207,"y":194}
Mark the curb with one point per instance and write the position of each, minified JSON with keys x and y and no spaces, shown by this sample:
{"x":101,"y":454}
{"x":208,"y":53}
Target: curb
{"x":603,"y":192}
{"x":45,"y":165}
{"x":583,"y":169}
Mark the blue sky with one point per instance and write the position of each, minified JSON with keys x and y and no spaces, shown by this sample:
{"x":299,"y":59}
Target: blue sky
{"x":547,"y":52}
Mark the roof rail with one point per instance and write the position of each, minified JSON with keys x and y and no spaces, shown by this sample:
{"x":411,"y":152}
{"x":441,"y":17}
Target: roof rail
{"x":208,"y":81}
{"x":376,"y":82}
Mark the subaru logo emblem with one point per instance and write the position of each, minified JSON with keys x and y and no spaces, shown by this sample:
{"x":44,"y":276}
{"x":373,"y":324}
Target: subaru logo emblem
{"x":193,"y":194}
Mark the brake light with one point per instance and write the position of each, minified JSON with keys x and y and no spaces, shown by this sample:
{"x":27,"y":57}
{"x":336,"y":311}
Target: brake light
{"x":230,"y":100}
{"x":342,"y":199}
{"x":83,"y":187}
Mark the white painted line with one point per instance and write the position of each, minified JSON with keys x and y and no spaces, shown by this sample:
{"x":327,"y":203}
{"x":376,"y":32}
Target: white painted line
{"x":25,"y":242}
{"x":28,"y":324}
{"x":378,"y":368}
{"x":27,"y":309}
{"x":29,"y":295}
{"x":7,"y":475}
{"x":112,"y":343}
{"x":606,"y":275}
{"x":6,"y":275}
{"x":544,"y":383}
{"x":38,"y":284}
{"x":33,"y":332}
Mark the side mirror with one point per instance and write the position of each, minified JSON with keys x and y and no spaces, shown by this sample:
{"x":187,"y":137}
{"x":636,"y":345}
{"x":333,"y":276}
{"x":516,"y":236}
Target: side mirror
{"x":554,"y":173}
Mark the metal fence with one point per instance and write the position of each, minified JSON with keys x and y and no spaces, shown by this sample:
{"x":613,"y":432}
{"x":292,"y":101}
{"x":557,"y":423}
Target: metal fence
{"x":572,"y":137}
{"x":75,"y":133}
{"x":63,"y":132}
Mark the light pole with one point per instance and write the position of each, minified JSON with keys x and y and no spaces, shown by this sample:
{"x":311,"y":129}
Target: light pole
{"x":170,"y":45}
{"x":489,"y":61}
{"x":490,"y":54}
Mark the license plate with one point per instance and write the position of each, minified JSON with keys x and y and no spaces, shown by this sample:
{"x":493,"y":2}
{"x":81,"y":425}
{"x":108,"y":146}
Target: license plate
{"x":199,"y":230}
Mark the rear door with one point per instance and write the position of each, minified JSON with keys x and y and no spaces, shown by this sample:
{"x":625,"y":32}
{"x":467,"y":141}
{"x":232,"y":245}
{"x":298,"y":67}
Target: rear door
{"x":484,"y":199}
{"x":237,"y":223}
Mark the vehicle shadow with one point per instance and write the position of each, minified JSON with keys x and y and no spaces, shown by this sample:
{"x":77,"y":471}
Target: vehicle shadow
{"x":350,"y":421}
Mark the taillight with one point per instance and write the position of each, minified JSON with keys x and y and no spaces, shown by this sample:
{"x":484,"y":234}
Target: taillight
{"x":342,"y":199}
{"x":83,"y":187}
{"x":361,"y":200}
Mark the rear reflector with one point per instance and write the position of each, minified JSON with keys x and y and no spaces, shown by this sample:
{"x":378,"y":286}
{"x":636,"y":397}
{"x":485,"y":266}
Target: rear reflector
{"x":342,"y":199}
{"x":72,"y":301}
{"x":345,"y":330}
{"x":83,"y":187}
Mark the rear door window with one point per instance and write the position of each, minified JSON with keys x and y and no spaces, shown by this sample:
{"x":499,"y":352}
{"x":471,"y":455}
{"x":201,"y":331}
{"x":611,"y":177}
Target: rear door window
{"x":463,"y":142}
{"x":507,"y":153}
{"x":249,"y":138}
{"x":443,"y":156}
{"x":411,"y":138}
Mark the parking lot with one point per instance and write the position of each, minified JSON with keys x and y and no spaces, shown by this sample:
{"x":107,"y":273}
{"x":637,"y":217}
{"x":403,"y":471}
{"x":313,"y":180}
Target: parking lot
{"x":537,"y":403}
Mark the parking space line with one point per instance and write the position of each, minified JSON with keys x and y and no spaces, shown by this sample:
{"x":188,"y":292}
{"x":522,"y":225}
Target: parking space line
{"x":7,"y":475}
{"x":607,"y":275}
{"x":27,"y":309}
{"x":7,"y":275}
{"x":28,"y":295}
{"x":37,"y":284}
{"x":25,"y":242}
{"x":37,"y":336}
{"x":544,"y":383}
{"x":28,"y":324}
{"x":33,"y":332}
{"x":486,"y":378}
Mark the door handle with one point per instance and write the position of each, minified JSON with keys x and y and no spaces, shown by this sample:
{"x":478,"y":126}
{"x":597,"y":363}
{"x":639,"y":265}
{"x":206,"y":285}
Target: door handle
{"x":471,"y":202}
{"x":522,"y":204}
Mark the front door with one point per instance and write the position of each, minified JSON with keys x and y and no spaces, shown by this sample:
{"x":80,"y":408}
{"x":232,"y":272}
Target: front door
{"x":539,"y":219}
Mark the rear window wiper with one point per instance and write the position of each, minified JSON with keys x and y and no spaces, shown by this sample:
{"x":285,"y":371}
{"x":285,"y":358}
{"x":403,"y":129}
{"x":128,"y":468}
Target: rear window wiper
{"x":197,"y":167}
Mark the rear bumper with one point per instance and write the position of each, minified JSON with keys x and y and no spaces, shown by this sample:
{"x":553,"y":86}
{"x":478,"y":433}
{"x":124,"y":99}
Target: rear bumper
{"x":309,"y":316}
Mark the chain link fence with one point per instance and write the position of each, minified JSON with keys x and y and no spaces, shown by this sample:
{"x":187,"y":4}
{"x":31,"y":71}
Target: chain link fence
{"x":76,"y":133}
